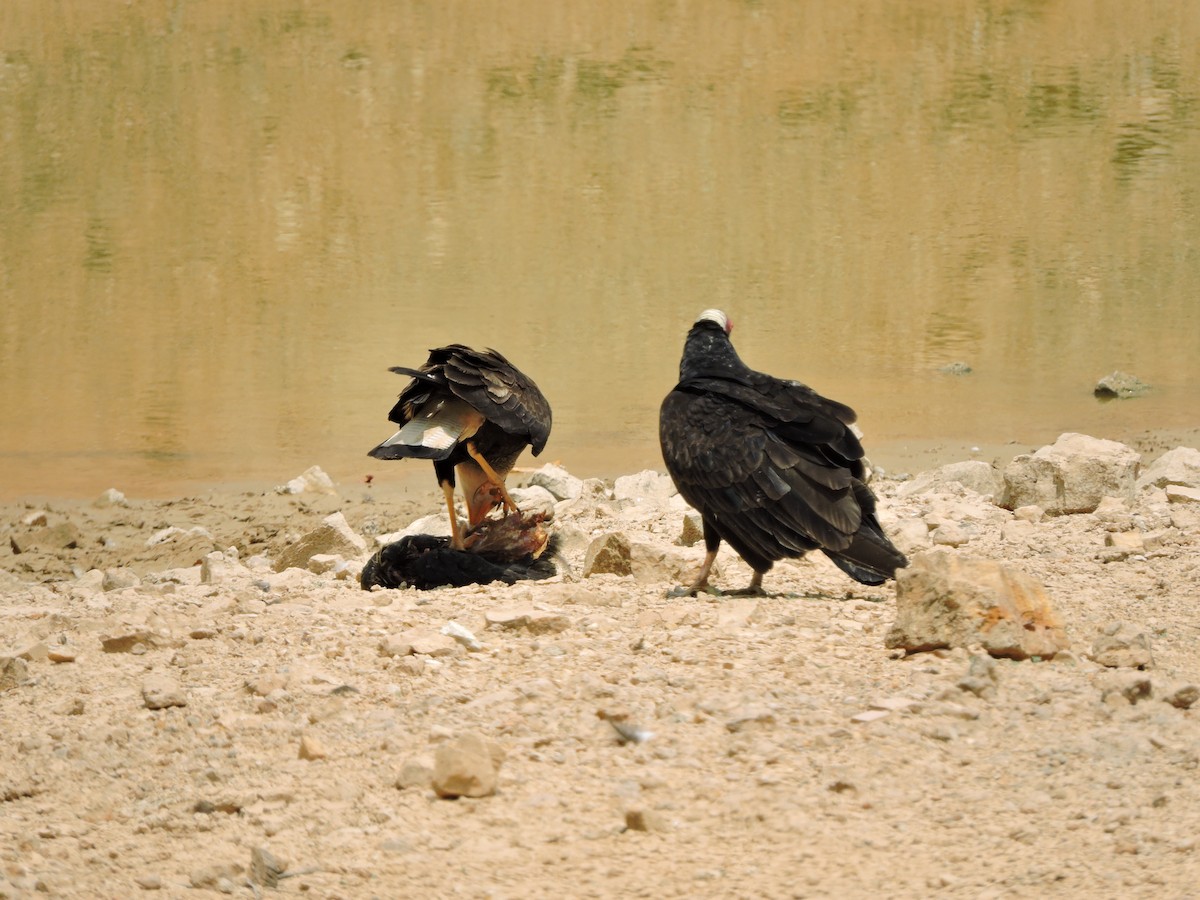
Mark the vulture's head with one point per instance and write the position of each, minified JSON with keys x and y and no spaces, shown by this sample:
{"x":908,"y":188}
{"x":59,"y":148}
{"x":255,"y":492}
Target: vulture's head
{"x":718,"y":317}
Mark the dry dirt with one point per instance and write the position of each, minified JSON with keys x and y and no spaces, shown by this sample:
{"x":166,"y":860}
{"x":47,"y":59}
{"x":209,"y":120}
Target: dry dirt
{"x":758,"y":780}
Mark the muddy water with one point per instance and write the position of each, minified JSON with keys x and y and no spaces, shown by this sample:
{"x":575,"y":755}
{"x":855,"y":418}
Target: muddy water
{"x":221,"y":222}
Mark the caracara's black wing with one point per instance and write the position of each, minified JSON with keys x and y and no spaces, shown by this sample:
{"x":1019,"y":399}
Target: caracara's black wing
{"x":775,"y":469}
{"x":485,"y":380}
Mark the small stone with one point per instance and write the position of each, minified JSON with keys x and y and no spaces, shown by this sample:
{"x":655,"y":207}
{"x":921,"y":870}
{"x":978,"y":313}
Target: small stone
{"x":1183,"y":697}
{"x":415,"y":773}
{"x":119,"y":579}
{"x":311,"y":747}
{"x":313,"y":480}
{"x":949,"y":534}
{"x":692,"y":531}
{"x":870,"y":715}
{"x":161,"y":692}
{"x":324,"y":563}
{"x":1177,"y":493}
{"x":111,"y":497}
{"x":646,"y":820}
{"x":461,"y":634}
{"x":63,"y":536}
{"x":1120,"y":385}
{"x":532,"y":620}
{"x":219,"y":568}
{"x":13,"y":672}
{"x":149,"y":882}
{"x":645,"y":485}
{"x":608,"y":554}
{"x":466,"y":766}
{"x":35,"y":518}
{"x":265,"y":867}
{"x":1123,"y":645}
{"x":1180,"y":466}
{"x":411,"y":665}
{"x":558,"y":481}
{"x":60,"y":654}
{"x":1123,"y":544}
{"x":750,"y":717}
{"x":333,"y":536}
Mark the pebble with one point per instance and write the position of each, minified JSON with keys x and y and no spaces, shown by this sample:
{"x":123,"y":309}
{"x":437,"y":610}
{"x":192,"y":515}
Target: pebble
{"x":162,"y":692}
{"x":312,"y":748}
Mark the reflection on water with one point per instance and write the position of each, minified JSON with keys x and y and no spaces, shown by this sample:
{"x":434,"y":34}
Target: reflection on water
{"x":220,"y":223}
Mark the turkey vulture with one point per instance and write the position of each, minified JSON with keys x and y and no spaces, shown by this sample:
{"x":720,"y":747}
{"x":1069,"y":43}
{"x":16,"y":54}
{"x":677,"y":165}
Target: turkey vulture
{"x":772,"y":467}
{"x":470,"y":410}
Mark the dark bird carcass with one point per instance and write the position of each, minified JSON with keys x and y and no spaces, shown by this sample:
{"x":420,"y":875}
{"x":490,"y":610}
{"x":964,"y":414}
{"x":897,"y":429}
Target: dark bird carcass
{"x":773,"y":468}
{"x":507,"y":550}
{"x":471,"y":412}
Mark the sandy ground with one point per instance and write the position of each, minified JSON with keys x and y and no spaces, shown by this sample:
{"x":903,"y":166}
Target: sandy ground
{"x":761,"y":778}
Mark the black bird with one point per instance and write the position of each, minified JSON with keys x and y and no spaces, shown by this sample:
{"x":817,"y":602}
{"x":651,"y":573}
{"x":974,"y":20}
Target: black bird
{"x":772,"y":467}
{"x":426,"y":561}
{"x":470,"y":410}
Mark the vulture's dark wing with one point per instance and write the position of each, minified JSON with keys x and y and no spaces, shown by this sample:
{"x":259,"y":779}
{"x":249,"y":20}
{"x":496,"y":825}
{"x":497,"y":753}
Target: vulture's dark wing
{"x":772,"y":488}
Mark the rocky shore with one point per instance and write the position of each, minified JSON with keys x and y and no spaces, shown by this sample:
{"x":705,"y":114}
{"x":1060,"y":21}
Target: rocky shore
{"x":198,"y":699}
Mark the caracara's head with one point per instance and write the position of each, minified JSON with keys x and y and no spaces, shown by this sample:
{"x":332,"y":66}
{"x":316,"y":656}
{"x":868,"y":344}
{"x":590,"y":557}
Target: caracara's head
{"x":718,"y":316}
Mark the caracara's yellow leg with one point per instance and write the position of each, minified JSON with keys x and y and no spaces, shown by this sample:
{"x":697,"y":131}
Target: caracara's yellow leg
{"x":456,"y":537}
{"x":509,"y":505}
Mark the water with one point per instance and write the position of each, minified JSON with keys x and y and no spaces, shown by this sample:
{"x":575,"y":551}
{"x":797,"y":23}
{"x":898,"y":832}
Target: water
{"x":221,"y":222}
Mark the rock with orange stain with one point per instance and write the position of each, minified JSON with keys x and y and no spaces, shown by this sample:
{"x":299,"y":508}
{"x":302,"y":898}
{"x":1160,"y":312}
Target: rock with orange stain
{"x":945,"y":599}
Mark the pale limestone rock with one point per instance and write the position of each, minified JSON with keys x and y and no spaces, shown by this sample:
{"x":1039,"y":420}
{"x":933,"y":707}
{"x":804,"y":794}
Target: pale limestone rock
{"x":421,"y":641}
{"x":646,"y":820}
{"x":944,"y":599}
{"x":532,"y":620}
{"x":652,"y":562}
{"x":415,"y":773}
{"x":534,"y":500}
{"x":558,"y":481}
{"x":1180,"y":494}
{"x":975,"y":475}
{"x":13,"y":672}
{"x":1182,"y":696}
{"x":313,"y":480}
{"x":333,"y":536}
{"x":608,"y":554}
{"x":1072,"y":475}
{"x":1180,"y":466}
{"x":1120,"y":385}
{"x":692,"y":531}
{"x":645,"y":486}
{"x":312,"y":747}
{"x":162,"y":691}
{"x":1123,"y":645}
{"x":111,"y":497}
{"x":467,"y":766}
{"x":219,"y":568}
{"x":63,"y":536}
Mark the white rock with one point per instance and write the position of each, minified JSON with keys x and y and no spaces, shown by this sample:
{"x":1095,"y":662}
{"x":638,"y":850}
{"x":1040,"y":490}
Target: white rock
{"x":1072,"y":475}
{"x":461,"y":634}
{"x":333,"y":536}
{"x":172,"y":532}
{"x":534,"y":499}
{"x":111,"y":497}
{"x":558,"y":481}
{"x":642,"y":487}
{"x":976,"y":475}
{"x":1179,"y":466}
{"x":312,"y":479}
